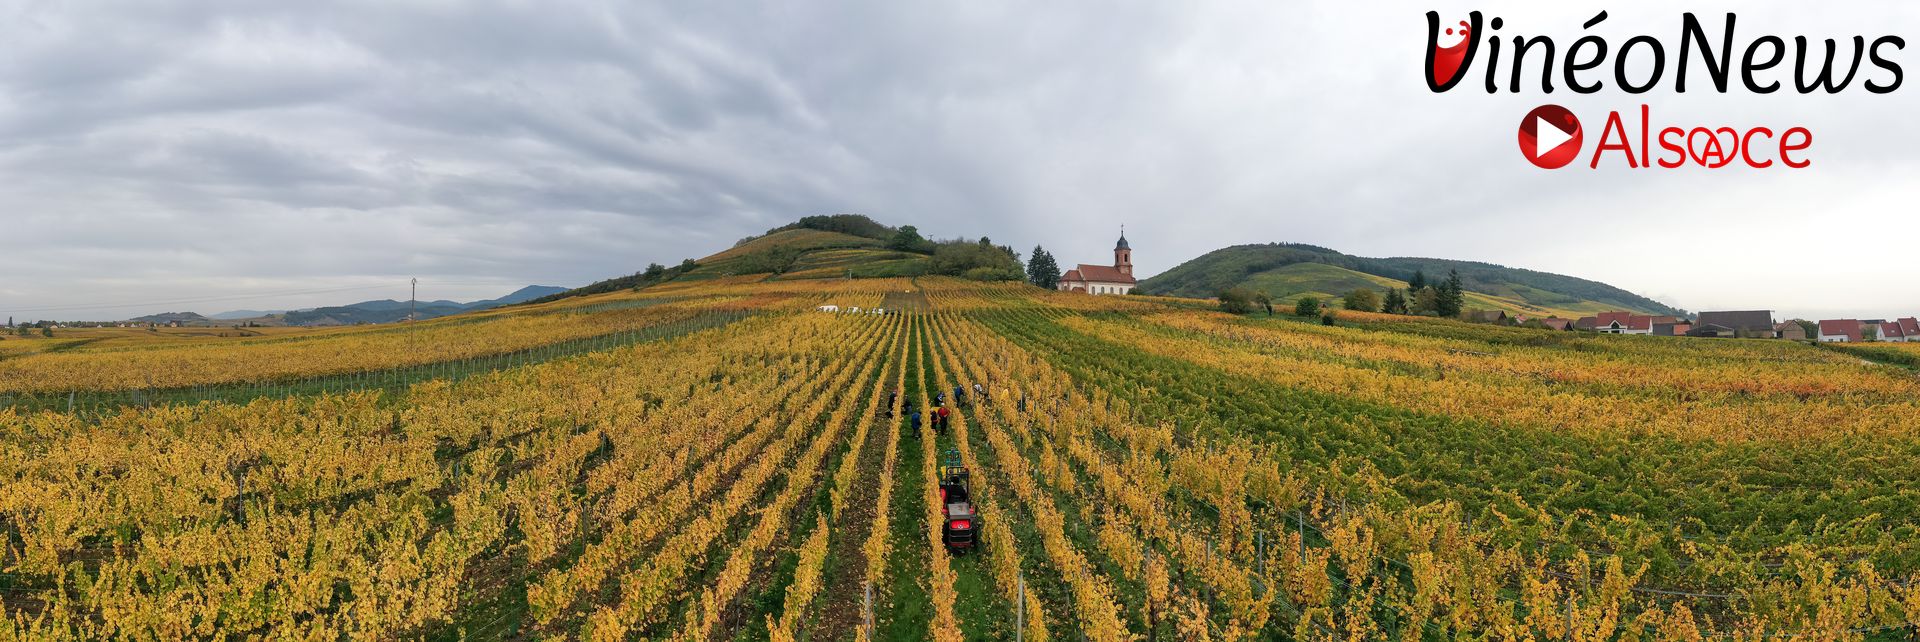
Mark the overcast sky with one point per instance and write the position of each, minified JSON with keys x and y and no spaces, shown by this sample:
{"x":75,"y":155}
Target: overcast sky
{"x":202,"y":155}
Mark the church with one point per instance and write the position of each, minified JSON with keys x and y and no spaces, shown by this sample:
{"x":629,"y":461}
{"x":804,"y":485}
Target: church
{"x":1103,"y":279}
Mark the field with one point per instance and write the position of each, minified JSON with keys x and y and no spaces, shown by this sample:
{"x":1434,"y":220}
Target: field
{"x":716,"y":460}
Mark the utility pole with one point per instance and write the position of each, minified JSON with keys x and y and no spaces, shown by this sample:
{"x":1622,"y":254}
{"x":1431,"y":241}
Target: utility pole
{"x":413,"y":298}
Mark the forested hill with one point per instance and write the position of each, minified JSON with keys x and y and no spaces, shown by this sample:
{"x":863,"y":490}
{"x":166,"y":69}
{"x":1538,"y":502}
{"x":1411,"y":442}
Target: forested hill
{"x":1289,"y":269}
{"x":830,"y":247}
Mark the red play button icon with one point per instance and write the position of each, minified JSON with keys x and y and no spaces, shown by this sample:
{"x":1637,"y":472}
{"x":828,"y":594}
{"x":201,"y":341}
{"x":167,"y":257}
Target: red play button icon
{"x":1550,"y":136}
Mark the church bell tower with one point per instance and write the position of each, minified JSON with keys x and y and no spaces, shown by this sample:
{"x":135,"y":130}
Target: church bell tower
{"x":1123,"y":255}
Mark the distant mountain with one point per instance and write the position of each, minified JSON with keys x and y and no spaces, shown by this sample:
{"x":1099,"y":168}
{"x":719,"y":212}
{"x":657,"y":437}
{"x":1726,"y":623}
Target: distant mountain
{"x":521,"y":295}
{"x":354,"y":314}
{"x":389,"y":310}
{"x":244,"y":314}
{"x":164,"y":318}
{"x":1289,"y":270}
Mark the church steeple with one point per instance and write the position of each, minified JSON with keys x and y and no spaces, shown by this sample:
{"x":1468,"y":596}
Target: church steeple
{"x":1123,"y":254}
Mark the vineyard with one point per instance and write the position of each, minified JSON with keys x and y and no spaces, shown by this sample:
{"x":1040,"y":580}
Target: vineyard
{"x":718,"y":460}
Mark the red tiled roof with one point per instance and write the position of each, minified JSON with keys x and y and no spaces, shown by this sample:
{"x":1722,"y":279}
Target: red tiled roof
{"x":1849,"y":328}
{"x":1607,"y":318}
{"x":1891,"y":330}
{"x":1910,"y":326}
{"x":1098,"y":274}
{"x":1071,"y":275}
{"x":1629,"y":320}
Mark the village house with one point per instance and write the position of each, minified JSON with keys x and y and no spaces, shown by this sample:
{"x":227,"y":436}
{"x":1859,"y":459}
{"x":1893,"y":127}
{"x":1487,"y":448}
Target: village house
{"x":1892,"y":331}
{"x":1623,"y":323}
{"x":1556,"y":323}
{"x":1745,"y":324}
{"x":1103,"y":279}
{"x":1498,"y":317}
{"x":1909,"y":328}
{"x":1840,"y":331}
{"x":1675,"y":329}
{"x":1790,"y":330}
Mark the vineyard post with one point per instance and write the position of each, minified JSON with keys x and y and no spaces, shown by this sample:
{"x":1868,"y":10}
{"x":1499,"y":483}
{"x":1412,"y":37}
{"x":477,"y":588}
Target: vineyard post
{"x":1302,"y":518}
{"x":1260,"y":550}
{"x":1569,"y":612}
{"x":70,"y":394}
{"x":866,"y":613}
{"x":240,"y":496}
{"x":1020,"y":611}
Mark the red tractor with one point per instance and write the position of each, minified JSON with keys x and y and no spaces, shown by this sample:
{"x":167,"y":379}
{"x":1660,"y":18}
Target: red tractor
{"x":961,"y":527}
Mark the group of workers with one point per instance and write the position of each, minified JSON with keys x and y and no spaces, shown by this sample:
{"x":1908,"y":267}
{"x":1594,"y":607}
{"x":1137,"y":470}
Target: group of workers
{"x":940,"y":415}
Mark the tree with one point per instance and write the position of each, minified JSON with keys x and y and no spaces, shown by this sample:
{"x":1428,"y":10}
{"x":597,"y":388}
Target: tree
{"x":782,"y":258}
{"x":908,"y":239}
{"x":1418,"y":282}
{"x":1264,"y":300}
{"x":1362,"y":300}
{"x":1425,"y":301}
{"x":1450,"y":296}
{"x":654,"y":272}
{"x":1236,"y":301}
{"x":46,"y":331}
{"x":1396,"y":303}
{"x":1042,"y":271}
{"x":979,"y":261}
{"x":1868,"y":332}
{"x":686,"y":265}
{"x":1306,"y":307}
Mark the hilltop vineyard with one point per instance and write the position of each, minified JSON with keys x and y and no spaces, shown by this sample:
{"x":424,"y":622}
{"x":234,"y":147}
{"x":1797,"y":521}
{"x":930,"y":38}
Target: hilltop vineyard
{"x":732,"y":459}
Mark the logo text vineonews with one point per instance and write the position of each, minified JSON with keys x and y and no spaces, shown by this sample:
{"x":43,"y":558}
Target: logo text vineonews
{"x":1639,"y":65}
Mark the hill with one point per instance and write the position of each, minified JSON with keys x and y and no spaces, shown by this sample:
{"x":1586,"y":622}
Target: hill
{"x":827,"y":247}
{"x":809,"y":253}
{"x":164,"y":318}
{"x":1288,"y":270}
{"x":389,"y":310}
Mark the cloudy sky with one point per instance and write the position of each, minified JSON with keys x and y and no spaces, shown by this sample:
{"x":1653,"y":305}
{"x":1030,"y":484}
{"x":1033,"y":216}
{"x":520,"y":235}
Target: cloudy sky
{"x":214,"y":155}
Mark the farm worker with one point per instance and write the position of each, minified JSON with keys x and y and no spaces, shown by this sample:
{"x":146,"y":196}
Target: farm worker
{"x":916,"y":420}
{"x":978,"y":392}
{"x":939,"y":398}
{"x":958,"y":395}
{"x":942,"y":412}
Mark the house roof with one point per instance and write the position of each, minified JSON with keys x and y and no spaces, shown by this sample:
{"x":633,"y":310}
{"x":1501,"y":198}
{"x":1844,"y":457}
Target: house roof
{"x":1672,"y":329}
{"x":1911,"y":326}
{"x":1122,"y":245}
{"x":1750,"y":320}
{"x":1607,"y":318}
{"x":1097,"y":274}
{"x":1849,"y":328}
{"x":1891,"y":329}
{"x":1556,"y":322}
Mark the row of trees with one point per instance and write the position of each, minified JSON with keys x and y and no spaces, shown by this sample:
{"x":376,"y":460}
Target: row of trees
{"x":1443,"y":299}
